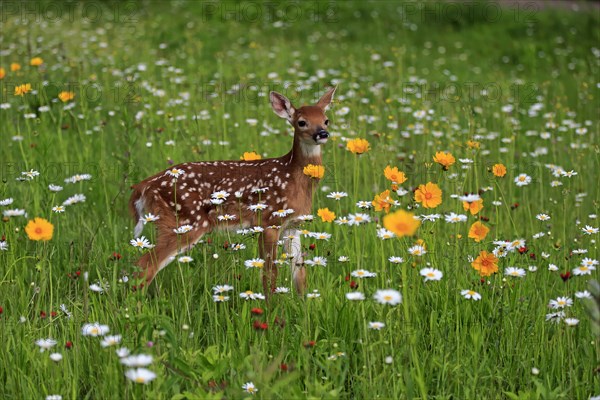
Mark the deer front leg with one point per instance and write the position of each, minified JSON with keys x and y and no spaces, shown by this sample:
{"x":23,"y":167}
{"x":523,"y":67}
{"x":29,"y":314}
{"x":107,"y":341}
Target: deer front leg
{"x":268,"y":252}
{"x":293,"y":247}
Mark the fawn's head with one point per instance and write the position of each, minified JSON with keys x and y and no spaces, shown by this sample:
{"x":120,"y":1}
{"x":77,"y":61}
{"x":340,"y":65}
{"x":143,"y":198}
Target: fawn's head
{"x":310,"y":122}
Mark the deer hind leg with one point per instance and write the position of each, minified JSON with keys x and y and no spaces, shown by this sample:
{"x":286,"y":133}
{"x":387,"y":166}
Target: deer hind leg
{"x":168,"y":245}
{"x":293,"y":247}
{"x":268,"y":252}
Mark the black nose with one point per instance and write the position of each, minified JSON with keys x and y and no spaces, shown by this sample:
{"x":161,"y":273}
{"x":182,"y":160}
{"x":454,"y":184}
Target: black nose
{"x":322,"y":134}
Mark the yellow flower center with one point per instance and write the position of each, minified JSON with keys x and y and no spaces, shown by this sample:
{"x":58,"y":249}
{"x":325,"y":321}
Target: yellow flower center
{"x":387,"y":297}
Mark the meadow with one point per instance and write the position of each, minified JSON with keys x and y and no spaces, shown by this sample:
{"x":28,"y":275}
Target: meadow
{"x":460,"y":259}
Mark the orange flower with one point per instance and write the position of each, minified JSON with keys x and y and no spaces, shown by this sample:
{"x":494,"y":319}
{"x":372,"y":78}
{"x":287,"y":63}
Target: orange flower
{"x":486,"y":264}
{"x":250,"y":156}
{"x":326,"y":214}
{"x":314,"y":171}
{"x":478,"y":231}
{"x":14,"y":67}
{"x":358,"y":146}
{"x":2,"y":73}
{"x":402,"y":223}
{"x":473,"y":207}
{"x":499,"y":170}
{"x":394,"y":175}
{"x":22,"y":89}
{"x":39,"y":229}
{"x":444,"y":159}
{"x":36,"y":61}
{"x":66,"y":96}
{"x":383,"y":201}
{"x":429,"y":195}
{"x":473,"y":144}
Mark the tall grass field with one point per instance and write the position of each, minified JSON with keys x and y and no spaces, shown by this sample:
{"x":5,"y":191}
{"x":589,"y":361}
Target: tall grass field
{"x":452,"y":249}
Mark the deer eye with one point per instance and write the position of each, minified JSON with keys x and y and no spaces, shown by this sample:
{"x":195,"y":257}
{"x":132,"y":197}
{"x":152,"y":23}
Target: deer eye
{"x":326,"y":122}
{"x":302,"y":124}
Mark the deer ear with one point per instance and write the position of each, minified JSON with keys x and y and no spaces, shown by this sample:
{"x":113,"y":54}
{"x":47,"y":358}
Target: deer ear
{"x":325,"y":101}
{"x":282,"y":106}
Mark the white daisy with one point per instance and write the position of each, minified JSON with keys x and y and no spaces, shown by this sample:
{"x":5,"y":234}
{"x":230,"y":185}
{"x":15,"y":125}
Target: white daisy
{"x":45,"y":344}
{"x":388,"y":296}
{"x":355,"y":296}
{"x":515,"y":272}
{"x":141,"y":243}
{"x":111,"y":340}
{"x":376,"y":325}
{"x":249,"y":387}
{"x":337,"y":195}
{"x":95,"y":329}
{"x":431,"y":274}
{"x":175,"y":172}
{"x":470,"y":294}
{"x":254,"y":263}
{"x":183,"y":229}
{"x":523,"y":180}
{"x":149,"y":218}
{"x":140,"y":375}
{"x":363,"y":273}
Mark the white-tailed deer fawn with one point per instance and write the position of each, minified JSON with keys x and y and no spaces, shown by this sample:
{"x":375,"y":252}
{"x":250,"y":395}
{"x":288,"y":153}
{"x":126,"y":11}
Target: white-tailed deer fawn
{"x":194,"y":198}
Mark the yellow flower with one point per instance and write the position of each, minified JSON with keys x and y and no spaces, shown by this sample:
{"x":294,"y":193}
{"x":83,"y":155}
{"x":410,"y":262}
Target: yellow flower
{"x":326,"y":214}
{"x":402,"y":223}
{"x":66,"y":96}
{"x":478,"y":231}
{"x":22,"y":89}
{"x":2,"y":73}
{"x":358,"y":146}
{"x":486,"y":264}
{"x":499,"y":170}
{"x":250,"y":156}
{"x":39,"y":229}
{"x":473,"y":207}
{"x":429,"y":195}
{"x":14,"y":67}
{"x":444,"y":159}
{"x":383,"y":201}
{"x":472,"y":144}
{"x":36,"y":61}
{"x":394,"y":175}
{"x":314,"y":171}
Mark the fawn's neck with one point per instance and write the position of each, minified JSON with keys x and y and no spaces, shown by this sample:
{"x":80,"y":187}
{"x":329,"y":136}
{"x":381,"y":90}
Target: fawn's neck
{"x":303,"y":154}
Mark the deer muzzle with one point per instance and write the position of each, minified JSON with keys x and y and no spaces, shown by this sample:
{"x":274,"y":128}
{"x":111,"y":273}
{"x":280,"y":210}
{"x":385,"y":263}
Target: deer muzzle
{"x":321,"y":136}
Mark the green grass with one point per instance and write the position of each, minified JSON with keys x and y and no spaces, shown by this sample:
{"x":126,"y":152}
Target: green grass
{"x":441,"y":345}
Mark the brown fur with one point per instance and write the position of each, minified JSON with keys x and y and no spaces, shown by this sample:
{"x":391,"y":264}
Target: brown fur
{"x":186,"y":200}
